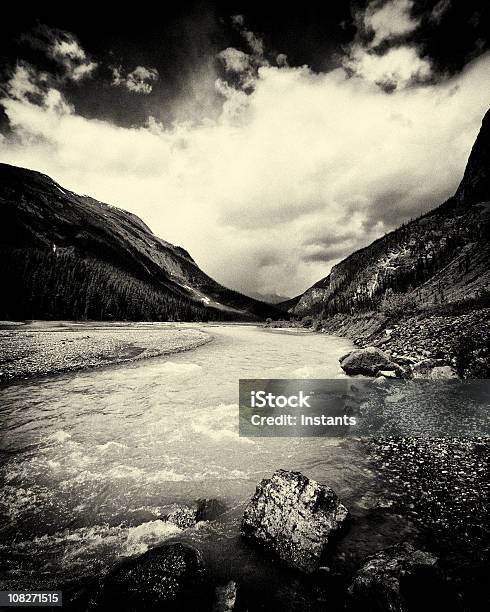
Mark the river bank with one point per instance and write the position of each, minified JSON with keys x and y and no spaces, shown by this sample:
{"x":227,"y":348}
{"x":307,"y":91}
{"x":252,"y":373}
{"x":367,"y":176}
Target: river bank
{"x":459,"y":339}
{"x":454,"y":335}
{"x":441,"y":484}
{"x":41,"y":348}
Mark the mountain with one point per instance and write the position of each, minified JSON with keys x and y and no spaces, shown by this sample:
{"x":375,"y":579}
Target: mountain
{"x":269,"y":298}
{"x":441,"y":257}
{"x":63,"y":255}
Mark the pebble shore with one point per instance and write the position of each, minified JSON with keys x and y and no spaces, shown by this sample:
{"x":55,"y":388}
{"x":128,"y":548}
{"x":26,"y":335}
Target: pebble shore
{"x":442,"y":484}
{"x":41,"y":349}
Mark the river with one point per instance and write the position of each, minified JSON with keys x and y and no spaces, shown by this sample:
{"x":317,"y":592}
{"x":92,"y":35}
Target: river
{"x":91,"y":460}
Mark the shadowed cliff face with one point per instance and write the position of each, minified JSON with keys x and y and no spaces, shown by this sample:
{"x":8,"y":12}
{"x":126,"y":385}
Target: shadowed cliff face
{"x":45,"y":226}
{"x":440,"y":257}
{"x":475,"y":186}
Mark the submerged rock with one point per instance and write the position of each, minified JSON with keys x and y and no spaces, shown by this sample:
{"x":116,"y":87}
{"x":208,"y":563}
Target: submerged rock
{"x":368,"y":361}
{"x":210,"y":509}
{"x":185,"y":516}
{"x":169,"y":578}
{"x":398,"y":579}
{"x":295,"y":518}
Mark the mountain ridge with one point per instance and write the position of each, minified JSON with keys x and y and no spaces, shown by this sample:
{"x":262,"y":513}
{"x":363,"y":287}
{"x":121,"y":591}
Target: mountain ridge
{"x":47,"y":228}
{"x":440,"y":257}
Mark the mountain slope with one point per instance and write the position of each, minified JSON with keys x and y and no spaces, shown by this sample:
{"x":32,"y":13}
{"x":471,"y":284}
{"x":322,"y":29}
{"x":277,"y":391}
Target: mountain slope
{"x":440,"y":257}
{"x":70,"y":256}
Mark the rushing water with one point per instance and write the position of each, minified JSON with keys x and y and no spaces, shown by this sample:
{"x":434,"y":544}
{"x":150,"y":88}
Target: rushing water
{"x":91,"y":460}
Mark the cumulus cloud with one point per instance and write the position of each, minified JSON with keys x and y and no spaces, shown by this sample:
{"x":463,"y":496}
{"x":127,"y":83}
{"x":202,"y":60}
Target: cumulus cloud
{"x":246,"y":65}
{"x":381,"y":53}
{"x":29,"y":85}
{"x":64,"y":49}
{"x":140,"y":80}
{"x":242,"y":69}
{"x":73,"y":58}
{"x":397,"y":68}
{"x":24,"y":82}
{"x":388,"y":20}
{"x":294,"y":174}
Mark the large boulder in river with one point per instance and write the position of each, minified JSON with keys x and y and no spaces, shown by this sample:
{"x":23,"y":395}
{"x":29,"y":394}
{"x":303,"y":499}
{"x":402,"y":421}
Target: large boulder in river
{"x":398,"y":579}
{"x":368,"y":361}
{"x":295,"y":518}
{"x":169,"y":578}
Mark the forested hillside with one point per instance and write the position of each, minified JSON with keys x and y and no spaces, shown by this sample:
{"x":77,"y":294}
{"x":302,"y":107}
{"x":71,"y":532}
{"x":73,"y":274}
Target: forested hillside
{"x":62,"y":285}
{"x":63,"y":255}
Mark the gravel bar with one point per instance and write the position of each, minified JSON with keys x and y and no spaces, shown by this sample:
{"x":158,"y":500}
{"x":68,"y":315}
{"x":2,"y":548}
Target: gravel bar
{"x":40,"y":349}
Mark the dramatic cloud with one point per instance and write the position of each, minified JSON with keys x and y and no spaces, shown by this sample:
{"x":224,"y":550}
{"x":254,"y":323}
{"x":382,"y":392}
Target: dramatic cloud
{"x":299,"y":169}
{"x":397,"y":68}
{"x":379,"y":54}
{"x":140,"y":80}
{"x":24,"y":82}
{"x":242,"y":69}
{"x":72,"y":57}
{"x":243,"y":66}
{"x":388,"y":20}
{"x":29,"y":85}
{"x":64,"y":49}
{"x":235,"y":60}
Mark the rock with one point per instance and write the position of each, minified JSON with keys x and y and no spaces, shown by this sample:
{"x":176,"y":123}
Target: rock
{"x":169,"y":578}
{"x":183,"y":516}
{"x":397,"y":579}
{"x":295,"y":518}
{"x":387,"y":373}
{"x":209,"y":509}
{"x":443,"y":372}
{"x":433,"y":369}
{"x":422,"y":368}
{"x":225,"y":597}
{"x":368,"y":361}
{"x":405,"y":360}
{"x":188,"y":516}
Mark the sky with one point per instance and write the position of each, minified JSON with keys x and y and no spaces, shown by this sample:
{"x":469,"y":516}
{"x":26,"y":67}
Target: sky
{"x":270,"y":143}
